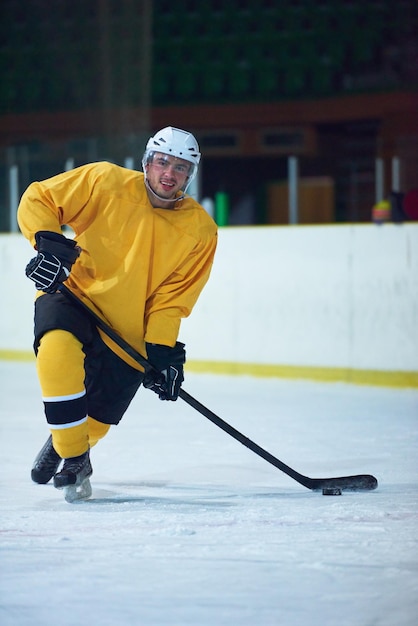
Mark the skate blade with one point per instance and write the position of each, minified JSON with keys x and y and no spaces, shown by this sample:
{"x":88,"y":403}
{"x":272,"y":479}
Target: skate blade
{"x":73,"y":493}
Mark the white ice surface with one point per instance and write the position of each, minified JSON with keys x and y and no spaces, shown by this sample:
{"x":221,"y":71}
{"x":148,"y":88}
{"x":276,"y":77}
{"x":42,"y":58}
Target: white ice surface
{"x":188,"y":527}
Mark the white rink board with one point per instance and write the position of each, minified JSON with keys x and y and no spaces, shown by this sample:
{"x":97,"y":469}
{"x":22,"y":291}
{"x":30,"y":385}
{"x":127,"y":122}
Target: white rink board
{"x":333,"y":296}
{"x":321,"y":296}
{"x":17,"y":294}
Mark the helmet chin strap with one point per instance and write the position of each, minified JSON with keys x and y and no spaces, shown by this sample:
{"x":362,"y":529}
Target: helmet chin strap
{"x":160,"y":198}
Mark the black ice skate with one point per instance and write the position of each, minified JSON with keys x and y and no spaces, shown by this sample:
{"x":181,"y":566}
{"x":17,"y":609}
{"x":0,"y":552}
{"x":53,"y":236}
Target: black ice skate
{"x":74,"y":478}
{"x":46,"y":463}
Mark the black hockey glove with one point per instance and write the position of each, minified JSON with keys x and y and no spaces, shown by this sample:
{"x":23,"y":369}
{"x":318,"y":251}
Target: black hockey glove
{"x":168,"y":362}
{"x":52,"y":265}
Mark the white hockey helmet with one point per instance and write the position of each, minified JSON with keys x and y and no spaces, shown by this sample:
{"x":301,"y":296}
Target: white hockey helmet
{"x":177,"y":143}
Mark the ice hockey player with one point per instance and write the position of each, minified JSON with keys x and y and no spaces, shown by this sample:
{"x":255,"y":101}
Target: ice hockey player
{"x":141,"y":254}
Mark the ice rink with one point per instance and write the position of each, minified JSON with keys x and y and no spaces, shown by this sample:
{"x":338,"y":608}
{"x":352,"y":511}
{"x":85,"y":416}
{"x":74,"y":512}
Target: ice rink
{"x":188,"y":527}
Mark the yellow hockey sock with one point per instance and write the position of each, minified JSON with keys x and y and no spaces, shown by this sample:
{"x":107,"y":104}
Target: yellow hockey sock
{"x":60,"y":367}
{"x":72,"y":441}
{"x":97,"y":430}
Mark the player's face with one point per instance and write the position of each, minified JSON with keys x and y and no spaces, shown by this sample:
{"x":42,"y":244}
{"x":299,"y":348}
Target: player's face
{"x":166,"y":175}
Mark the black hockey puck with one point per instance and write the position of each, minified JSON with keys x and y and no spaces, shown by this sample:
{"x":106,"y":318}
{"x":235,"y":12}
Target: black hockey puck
{"x":331,"y":491}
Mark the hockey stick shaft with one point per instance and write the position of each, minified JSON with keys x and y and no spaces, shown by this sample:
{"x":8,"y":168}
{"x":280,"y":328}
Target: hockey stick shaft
{"x":362,"y":482}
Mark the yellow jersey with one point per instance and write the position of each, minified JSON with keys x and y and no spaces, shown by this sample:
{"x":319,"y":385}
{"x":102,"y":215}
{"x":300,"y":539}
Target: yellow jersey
{"x":141,"y":269}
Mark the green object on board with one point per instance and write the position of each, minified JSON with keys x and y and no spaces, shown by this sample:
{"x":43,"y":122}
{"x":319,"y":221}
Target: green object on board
{"x":221,"y":208}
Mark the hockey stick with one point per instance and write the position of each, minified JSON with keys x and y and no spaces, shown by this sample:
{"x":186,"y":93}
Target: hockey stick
{"x":360,"y":482}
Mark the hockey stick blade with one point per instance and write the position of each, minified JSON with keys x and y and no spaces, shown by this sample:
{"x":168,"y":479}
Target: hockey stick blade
{"x":362,"y":482}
